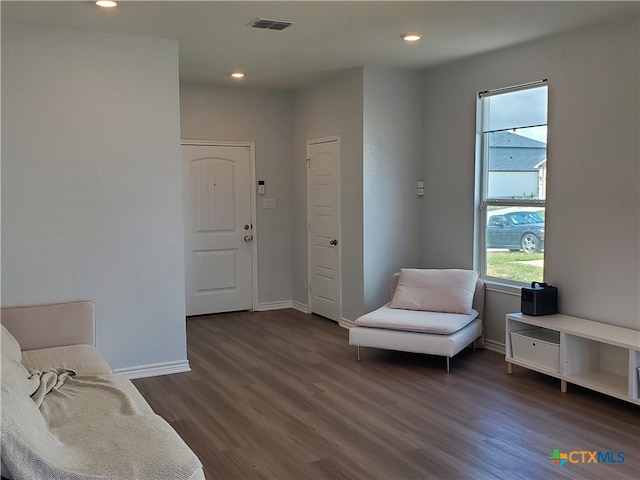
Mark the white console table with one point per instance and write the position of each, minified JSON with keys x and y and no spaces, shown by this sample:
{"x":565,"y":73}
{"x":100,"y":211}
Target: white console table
{"x":598,"y":356}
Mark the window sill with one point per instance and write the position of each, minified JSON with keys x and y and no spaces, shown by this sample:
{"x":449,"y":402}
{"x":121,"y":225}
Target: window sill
{"x":506,"y":288}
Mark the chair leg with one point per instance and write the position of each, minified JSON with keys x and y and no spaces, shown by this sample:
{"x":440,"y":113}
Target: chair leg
{"x":447,"y":364}
{"x":358,"y":353}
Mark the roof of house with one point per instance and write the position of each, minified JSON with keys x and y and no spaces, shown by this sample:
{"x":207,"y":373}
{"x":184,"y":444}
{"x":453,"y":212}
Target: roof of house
{"x":508,"y":139}
{"x":509,"y":152}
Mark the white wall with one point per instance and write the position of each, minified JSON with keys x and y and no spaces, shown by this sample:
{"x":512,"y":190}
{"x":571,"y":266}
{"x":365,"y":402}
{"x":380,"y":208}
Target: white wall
{"x":91,"y":197}
{"x":91,"y":190}
{"x":393,"y":133}
{"x":331,"y":107}
{"x":513,"y":184}
{"x":593,"y":214}
{"x":264,"y":117}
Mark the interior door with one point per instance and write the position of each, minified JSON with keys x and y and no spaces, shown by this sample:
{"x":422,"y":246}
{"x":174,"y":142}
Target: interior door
{"x":323,"y":205}
{"x":218,"y":228}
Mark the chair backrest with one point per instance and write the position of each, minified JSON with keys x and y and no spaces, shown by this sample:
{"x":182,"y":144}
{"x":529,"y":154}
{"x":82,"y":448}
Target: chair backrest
{"x":478,"y":295}
{"x":41,"y":326}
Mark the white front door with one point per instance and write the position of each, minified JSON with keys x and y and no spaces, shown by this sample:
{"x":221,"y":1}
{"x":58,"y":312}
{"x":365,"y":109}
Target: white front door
{"x":218,"y":228}
{"x":323,"y":206}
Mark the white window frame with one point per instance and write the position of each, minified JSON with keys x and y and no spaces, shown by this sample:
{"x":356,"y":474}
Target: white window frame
{"x":480,"y":191}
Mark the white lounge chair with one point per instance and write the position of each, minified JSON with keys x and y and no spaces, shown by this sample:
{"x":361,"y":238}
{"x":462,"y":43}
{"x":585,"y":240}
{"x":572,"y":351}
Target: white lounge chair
{"x":426,"y":331}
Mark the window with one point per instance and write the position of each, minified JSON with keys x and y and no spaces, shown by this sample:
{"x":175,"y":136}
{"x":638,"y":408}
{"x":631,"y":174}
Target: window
{"x":512,"y":168}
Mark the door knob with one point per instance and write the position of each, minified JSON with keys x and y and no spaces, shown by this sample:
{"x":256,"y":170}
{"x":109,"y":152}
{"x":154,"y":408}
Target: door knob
{"x":248,"y":238}
{"x":333,"y":242}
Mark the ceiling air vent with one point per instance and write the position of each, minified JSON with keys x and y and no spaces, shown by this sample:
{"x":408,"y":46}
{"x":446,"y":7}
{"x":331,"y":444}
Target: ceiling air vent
{"x":267,"y":24}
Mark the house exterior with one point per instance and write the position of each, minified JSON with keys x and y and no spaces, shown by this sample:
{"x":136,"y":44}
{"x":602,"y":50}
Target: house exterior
{"x":515,"y":166}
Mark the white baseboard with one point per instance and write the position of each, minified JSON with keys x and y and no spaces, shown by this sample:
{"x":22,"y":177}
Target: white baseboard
{"x":266,"y":306}
{"x":301,"y":307}
{"x":494,"y":346}
{"x":346,"y":323}
{"x":154,"y":369}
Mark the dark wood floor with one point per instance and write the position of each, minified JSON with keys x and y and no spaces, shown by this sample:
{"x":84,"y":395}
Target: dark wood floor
{"x":279,"y":395}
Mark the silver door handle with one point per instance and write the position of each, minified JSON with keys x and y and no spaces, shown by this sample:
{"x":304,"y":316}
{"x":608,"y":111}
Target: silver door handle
{"x":248,"y":238}
{"x":333,"y":242}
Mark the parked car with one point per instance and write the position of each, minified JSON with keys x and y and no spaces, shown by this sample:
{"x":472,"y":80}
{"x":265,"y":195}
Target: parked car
{"x":516,"y":230}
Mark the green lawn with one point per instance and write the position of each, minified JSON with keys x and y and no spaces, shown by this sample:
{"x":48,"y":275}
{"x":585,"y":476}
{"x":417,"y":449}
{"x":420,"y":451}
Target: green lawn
{"x":510,"y":265}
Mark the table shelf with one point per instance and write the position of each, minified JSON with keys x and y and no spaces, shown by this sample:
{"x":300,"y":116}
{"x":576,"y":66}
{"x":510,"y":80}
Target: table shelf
{"x":601,"y":357}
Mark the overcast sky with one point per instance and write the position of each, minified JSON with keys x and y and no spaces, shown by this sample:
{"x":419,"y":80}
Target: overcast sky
{"x":521,"y":108}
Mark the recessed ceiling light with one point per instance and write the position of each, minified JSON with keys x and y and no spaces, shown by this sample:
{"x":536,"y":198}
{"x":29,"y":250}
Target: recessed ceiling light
{"x":106,"y":3}
{"x":237,"y":75}
{"x":411,"y":37}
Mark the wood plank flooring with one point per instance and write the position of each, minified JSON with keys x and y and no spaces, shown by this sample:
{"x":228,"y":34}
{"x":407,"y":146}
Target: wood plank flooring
{"x":279,"y":395}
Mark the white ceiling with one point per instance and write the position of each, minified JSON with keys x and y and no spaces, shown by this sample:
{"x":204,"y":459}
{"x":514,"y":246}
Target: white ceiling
{"x":215,"y":39}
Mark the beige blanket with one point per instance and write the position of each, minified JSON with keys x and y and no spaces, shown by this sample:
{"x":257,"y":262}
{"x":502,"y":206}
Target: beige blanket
{"x":86,"y":428}
{"x":47,"y":381}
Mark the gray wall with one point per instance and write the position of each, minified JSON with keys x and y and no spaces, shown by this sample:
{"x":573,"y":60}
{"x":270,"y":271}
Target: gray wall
{"x":264,"y":117}
{"x":393,"y":133}
{"x":91,"y":190}
{"x":332,"y":107}
{"x":593,"y":214}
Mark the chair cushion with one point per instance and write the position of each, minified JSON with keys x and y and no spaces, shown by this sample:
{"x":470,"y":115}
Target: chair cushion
{"x":13,"y":372}
{"x":82,"y":359}
{"x":449,"y":291}
{"x":10,"y":346}
{"x":416,"y":321}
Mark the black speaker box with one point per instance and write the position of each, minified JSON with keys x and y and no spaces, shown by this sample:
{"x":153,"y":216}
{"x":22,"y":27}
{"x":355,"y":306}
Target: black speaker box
{"x":540,"y":299}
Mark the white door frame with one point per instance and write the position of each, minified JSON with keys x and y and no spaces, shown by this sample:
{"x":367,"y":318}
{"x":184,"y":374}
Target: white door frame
{"x":254,"y":244}
{"x":314,"y":141}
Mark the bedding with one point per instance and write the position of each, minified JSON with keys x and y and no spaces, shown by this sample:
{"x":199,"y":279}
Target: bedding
{"x":88,"y":428}
{"x":65,"y":415}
